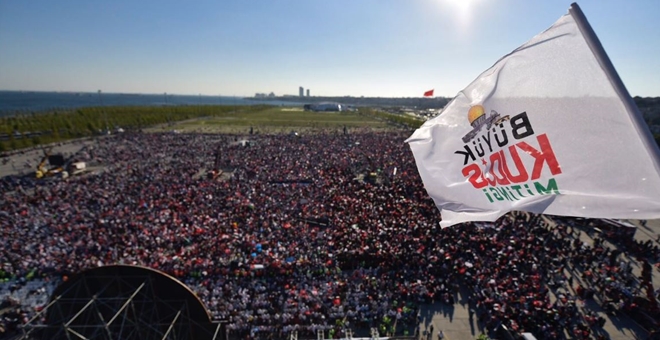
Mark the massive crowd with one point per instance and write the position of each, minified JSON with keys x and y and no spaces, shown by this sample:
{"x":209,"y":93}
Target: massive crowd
{"x":324,"y":231}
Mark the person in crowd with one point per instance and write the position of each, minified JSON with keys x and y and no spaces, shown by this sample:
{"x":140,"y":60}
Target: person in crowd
{"x":313,"y":233}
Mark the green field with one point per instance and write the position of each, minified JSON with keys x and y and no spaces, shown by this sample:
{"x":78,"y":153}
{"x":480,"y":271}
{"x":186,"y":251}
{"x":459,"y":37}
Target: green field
{"x":274,"y":120}
{"x":29,"y":130}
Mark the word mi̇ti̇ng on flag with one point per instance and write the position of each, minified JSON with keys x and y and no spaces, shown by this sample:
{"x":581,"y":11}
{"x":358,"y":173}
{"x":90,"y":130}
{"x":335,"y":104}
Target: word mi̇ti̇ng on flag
{"x":550,"y":128}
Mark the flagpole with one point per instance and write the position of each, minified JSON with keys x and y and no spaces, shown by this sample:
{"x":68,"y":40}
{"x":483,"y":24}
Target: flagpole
{"x":606,"y":64}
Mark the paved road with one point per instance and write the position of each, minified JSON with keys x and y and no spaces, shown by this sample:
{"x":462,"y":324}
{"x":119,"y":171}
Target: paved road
{"x":455,"y":322}
{"x":27,"y":162}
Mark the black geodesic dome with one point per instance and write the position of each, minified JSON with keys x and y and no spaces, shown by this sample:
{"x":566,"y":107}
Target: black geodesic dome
{"x":123,"y":302}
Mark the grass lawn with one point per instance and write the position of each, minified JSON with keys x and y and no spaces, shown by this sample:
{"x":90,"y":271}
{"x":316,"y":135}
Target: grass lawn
{"x":275,"y":120}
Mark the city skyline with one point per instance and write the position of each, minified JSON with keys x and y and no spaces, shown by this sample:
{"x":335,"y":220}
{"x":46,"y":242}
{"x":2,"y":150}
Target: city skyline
{"x":341,"y":48}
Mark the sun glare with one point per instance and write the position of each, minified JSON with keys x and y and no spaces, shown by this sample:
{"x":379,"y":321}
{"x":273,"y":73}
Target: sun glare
{"x":461,"y":10}
{"x":460,"y":5}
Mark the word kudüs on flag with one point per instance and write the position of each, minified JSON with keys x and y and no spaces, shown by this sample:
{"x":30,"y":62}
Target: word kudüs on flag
{"x":550,"y":128}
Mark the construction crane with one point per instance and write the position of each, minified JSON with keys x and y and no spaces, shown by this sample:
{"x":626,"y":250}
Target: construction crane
{"x":59,"y":165}
{"x":42,"y":171}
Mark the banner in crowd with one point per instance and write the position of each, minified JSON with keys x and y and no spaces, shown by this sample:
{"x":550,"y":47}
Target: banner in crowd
{"x":550,"y":128}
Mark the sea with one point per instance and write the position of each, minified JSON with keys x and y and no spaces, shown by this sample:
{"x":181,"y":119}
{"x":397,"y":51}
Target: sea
{"x":22,"y":102}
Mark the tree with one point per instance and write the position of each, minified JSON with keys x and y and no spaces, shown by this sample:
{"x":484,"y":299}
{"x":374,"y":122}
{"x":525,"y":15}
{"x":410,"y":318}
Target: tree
{"x":55,"y":132}
{"x":91,"y":128}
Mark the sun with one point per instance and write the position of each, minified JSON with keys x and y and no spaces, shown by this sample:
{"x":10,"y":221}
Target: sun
{"x":461,"y":10}
{"x":461,"y":6}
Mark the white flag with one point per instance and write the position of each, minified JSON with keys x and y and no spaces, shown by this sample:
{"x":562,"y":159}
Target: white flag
{"x":549,"y":128}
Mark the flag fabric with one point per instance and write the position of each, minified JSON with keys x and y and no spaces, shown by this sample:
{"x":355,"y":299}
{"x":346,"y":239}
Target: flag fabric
{"x":428,"y":93}
{"x":549,"y":128}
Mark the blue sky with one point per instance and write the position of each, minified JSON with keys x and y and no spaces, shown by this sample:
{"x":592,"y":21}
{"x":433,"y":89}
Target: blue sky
{"x":386,"y":48}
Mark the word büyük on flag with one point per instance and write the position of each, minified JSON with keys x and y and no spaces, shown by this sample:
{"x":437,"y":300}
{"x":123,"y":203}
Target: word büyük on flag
{"x":550,"y":128}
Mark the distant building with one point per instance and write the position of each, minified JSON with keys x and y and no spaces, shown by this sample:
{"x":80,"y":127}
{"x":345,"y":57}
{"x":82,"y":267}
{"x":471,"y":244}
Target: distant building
{"x":324,"y":107}
{"x":307,"y":92}
{"x":301,"y":91}
{"x":263,"y":95}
